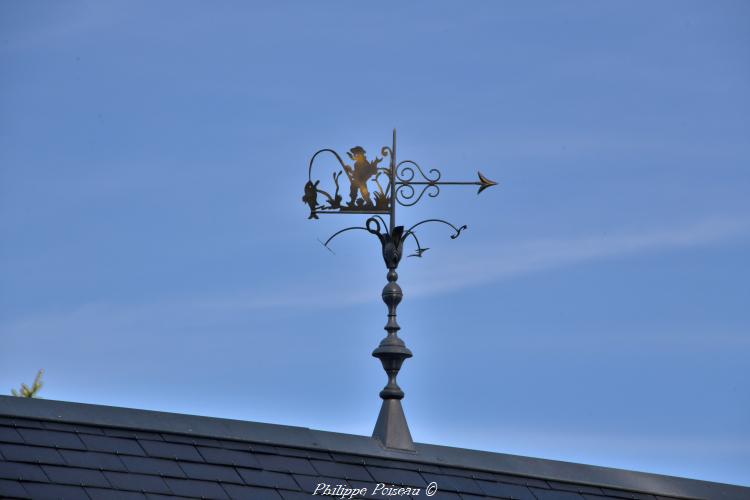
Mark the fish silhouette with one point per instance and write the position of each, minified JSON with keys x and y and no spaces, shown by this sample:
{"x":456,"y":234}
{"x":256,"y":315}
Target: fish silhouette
{"x":311,"y":198}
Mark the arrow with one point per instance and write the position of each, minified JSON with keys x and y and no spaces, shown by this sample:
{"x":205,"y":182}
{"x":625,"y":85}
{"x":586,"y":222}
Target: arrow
{"x":483,"y":183}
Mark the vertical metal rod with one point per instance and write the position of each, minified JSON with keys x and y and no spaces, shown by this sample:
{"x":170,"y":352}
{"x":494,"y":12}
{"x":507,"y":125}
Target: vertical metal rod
{"x":393,"y":185}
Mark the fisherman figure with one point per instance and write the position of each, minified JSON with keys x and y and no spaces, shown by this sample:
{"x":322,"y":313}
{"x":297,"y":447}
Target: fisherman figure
{"x":359,"y":175}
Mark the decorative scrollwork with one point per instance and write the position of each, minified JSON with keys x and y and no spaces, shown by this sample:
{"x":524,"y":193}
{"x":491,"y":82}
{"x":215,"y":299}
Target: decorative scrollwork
{"x":421,"y":250}
{"x":406,"y":174}
{"x":405,"y":193}
{"x":455,"y":235}
{"x":343,"y":231}
{"x":393,"y":241}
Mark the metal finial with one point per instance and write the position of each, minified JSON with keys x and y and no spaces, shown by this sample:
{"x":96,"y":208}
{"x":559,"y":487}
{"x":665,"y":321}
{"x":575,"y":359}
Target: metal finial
{"x":368,"y":195}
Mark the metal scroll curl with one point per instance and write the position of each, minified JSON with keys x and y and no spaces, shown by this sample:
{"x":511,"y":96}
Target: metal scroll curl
{"x":405,"y":193}
{"x":406,"y":173}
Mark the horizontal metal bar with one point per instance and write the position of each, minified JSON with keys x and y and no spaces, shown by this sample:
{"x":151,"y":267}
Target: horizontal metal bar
{"x":360,"y":212}
{"x":442,"y":183}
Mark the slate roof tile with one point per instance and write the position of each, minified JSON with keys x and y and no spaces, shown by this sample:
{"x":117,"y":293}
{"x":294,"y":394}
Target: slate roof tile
{"x":61,"y":426}
{"x":132,"y":434}
{"x":102,"y":494}
{"x":343,"y":471}
{"x":33,"y":454}
{"x":21,"y":422}
{"x":251,"y":492}
{"x":194,"y":440}
{"x":294,"y":495}
{"x":201,"y":489}
{"x":171,"y":450}
{"x":455,"y":471}
{"x":309,"y":483}
{"x":628,"y":494}
{"x":46,"y":491}
{"x":349,"y":459}
{"x":541,"y":494}
{"x":22,"y":472}
{"x":10,"y":435}
{"x":156,"y":496}
{"x":155,"y":466}
{"x":396,"y":476}
{"x":400,"y":464}
{"x":522,"y":480}
{"x":74,"y":475}
{"x":112,"y":445}
{"x":453,"y":483}
{"x":210,"y":472}
{"x":302,"y":453}
{"x":269,"y":479}
{"x":229,"y":457}
{"x":578,"y":488}
{"x":482,"y":475}
{"x":474,"y":474}
{"x":92,"y":460}
{"x":442,"y":495}
{"x":137,"y":482}
{"x":424,"y":468}
{"x":12,"y":489}
{"x":505,"y":490}
{"x":286,"y":464}
{"x":53,"y":439}
{"x":235,"y":445}
{"x":263,"y":448}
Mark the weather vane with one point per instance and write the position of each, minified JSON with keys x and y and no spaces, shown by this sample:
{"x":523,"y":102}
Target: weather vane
{"x":376,"y":191}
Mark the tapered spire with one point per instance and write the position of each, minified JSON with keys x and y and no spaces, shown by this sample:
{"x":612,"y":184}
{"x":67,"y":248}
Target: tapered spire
{"x":391,"y":428}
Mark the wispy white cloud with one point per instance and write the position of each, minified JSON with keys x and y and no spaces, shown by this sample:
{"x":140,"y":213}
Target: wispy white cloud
{"x":469,"y":267}
{"x":483,"y":265}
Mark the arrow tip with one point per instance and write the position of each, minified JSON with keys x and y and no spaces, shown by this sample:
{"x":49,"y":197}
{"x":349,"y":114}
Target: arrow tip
{"x":484,"y":182}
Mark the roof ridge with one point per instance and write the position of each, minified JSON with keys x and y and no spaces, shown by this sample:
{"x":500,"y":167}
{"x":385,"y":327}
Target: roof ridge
{"x":305,"y":438}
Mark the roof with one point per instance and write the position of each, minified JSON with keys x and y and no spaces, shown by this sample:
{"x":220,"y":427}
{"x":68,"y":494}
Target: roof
{"x":54,"y":449}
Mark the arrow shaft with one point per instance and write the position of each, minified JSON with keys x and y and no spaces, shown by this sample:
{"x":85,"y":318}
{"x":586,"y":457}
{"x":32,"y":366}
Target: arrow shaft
{"x":441,"y":183}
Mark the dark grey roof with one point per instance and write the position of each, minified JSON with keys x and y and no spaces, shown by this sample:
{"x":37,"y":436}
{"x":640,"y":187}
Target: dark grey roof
{"x":53,"y":449}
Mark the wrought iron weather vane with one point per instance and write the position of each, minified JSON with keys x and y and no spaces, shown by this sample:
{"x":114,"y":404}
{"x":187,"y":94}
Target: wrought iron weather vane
{"x":368,"y":196}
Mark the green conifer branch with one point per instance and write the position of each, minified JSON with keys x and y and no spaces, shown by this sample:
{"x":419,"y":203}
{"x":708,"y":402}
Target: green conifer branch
{"x":30,"y":392}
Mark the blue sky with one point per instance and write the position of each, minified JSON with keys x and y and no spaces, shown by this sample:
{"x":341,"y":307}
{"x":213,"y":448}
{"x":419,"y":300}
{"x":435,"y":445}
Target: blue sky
{"x":156,"y":254}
